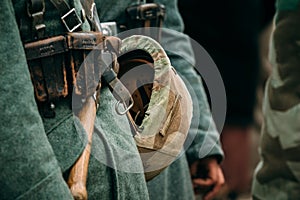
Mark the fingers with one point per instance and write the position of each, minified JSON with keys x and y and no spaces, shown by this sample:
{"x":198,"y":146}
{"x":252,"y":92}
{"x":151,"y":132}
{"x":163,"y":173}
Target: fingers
{"x":211,"y":173}
{"x":219,"y":181}
{"x":211,"y":181}
{"x":202,"y":186}
{"x":203,"y":182}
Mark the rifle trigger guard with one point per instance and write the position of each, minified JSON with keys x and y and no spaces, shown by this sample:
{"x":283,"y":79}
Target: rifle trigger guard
{"x":126,"y":108}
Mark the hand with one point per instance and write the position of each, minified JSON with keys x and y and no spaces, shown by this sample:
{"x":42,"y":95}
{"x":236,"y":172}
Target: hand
{"x":207,"y":177}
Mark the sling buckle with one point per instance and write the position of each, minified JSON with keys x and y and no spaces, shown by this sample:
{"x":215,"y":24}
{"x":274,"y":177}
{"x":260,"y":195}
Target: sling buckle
{"x":71,"y":20}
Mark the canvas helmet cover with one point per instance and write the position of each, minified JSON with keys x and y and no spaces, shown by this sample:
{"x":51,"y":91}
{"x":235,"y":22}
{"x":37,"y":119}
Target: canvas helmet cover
{"x":162,"y":109}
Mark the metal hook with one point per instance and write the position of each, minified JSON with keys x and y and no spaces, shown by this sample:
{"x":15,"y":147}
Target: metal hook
{"x":126,"y":108}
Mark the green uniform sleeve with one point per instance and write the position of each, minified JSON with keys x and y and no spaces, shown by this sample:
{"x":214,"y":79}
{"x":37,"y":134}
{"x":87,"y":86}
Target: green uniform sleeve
{"x":203,"y":130}
{"x":28,"y":165}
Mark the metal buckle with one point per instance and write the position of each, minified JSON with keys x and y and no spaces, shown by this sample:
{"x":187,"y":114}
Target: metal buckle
{"x":32,"y":13}
{"x":109,"y":28}
{"x":73,"y":18}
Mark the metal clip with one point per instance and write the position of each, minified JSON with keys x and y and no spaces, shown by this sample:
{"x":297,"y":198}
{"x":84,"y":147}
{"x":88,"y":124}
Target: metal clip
{"x":73,"y":18}
{"x":125,"y":107}
{"x":95,"y":97}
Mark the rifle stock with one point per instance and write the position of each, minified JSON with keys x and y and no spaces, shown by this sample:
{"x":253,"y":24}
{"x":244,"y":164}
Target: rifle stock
{"x":78,"y":175}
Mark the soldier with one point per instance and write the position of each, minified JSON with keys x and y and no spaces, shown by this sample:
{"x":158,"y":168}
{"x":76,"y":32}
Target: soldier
{"x":175,"y":181}
{"x":36,"y":148}
{"x":277,"y":174}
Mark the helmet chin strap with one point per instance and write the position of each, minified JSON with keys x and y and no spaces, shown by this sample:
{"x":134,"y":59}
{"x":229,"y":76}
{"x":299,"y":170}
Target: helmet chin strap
{"x":140,"y":90}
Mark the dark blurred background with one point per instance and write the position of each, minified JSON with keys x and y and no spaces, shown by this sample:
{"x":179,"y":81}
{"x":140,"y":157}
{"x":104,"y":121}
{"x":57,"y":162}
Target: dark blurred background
{"x":236,"y":34}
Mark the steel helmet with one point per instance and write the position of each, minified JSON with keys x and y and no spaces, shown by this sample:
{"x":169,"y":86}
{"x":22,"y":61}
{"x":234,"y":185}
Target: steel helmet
{"x":162,"y":106}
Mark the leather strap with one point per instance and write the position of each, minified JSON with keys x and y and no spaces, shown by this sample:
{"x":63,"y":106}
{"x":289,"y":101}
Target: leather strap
{"x":36,"y":10}
{"x":62,"y":6}
{"x":89,"y":7}
{"x":147,"y":15}
{"x":119,"y":90}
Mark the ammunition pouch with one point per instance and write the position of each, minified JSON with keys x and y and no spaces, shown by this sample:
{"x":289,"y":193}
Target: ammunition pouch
{"x":85,"y":76}
{"x":57,"y":64}
{"x":46,"y":60}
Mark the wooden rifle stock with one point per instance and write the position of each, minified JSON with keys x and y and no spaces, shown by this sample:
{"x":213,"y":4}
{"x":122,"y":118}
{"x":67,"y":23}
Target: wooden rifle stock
{"x":78,"y":175}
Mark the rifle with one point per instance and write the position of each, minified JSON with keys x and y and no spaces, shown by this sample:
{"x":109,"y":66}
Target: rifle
{"x":78,"y":175}
{"x":87,"y":86}
{"x":107,"y":64}
{"x":87,"y":115}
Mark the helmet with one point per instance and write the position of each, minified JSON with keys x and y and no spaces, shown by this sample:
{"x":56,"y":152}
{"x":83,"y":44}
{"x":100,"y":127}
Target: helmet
{"x":162,"y":106}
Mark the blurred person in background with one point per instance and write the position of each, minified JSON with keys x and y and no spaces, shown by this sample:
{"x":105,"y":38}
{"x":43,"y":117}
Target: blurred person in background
{"x":229,"y":31}
{"x":277,"y":174}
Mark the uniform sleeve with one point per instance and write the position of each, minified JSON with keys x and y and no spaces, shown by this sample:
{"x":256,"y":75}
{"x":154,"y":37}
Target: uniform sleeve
{"x":203,"y":130}
{"x":29,"y":169}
